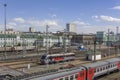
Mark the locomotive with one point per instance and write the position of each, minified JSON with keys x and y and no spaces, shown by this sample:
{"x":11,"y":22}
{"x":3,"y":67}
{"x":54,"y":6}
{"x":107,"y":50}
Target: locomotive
{"x":84,"y":72}
{"x":53,"y":58}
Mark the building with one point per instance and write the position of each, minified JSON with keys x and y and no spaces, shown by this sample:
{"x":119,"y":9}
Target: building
{"x":52,"y":40}
{"x":14,"y":38}
{"x":71,"y":27}
{"x":91,"y":56}
{"x":107,"y":38}
{"x":85,"y":39}
{"x":101,"y":36}
{"x":31,"y":29}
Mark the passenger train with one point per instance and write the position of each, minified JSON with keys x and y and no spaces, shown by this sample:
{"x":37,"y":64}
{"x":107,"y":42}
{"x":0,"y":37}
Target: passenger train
{"x":85,"y":72}
{"x":53,"y":58}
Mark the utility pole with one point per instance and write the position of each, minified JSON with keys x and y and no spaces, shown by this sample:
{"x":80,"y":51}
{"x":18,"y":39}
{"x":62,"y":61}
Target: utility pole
{"x":116,"y":39}
{"x":47,"y":52}
{"x":95,"y":49}
{"x":65,"y":47}
{"x":108,"y":42}
{"x":5,"y":56}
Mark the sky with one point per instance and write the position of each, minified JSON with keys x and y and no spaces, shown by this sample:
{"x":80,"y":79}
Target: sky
{"x":89,"y":15}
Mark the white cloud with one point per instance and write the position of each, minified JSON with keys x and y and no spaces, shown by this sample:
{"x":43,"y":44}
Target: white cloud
{"x":43,"y":23}
{"x":109,"y":18}
{"x":116,"y":7}
{"x":19,"y":20}
{"x":22,"y":24}
{"x":94,"y":29}
{"x":106,"y":18}
{"x":54,"y":15}
{"x":11,"y":25}
{"x":95,"y":16}
{"x":80,"y":23}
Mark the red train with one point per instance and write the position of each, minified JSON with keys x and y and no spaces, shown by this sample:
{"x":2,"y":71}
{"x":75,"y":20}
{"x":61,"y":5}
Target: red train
{"x":84,"y":72}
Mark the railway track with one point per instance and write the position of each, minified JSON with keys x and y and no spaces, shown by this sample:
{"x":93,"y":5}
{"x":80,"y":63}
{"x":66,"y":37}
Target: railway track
{"x":21,"y":63}
{"x":15,"y":63}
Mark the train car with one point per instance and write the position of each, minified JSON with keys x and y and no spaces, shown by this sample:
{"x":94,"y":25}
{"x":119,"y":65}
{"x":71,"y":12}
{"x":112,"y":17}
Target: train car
{"x":103,"y":67}
{"x":53,"y":58}
{"x":71,"y":74}
{"x":85,"y":72}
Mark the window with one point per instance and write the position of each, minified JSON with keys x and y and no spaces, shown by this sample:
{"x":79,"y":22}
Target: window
{"x":98,"y":70}
{"x":71,"y":77}
{"x":66,"y":78}
{"x":61,"y":79}
{"x":111,"y":65}
{"x":95,"y":71}
{"x":76,"y":75}
{"x":103,"y":68}
{"x":106,"y":67}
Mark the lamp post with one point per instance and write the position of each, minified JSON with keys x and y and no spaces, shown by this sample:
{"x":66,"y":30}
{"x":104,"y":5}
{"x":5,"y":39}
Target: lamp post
{"x":94,"y":49}
{"x":5,"y":5}
{"x":108,"y":42}
{"x":47,"y":39}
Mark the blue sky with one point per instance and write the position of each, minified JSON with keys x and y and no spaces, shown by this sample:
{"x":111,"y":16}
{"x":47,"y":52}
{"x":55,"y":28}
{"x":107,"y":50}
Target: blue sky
{"x":89,"y":15}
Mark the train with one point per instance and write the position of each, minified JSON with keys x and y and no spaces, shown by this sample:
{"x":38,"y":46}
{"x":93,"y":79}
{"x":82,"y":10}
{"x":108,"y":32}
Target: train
{"x":53,"y":58}
{"x":89,"y":71}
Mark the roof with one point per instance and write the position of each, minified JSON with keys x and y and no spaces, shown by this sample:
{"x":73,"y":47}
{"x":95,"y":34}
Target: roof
{"x":96,"y":64}
{"x":60,"y":54}
{"x":59,"y":74}
{"x":100,"y":63}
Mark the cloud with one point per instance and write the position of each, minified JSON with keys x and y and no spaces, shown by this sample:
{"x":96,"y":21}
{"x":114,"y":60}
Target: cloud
{"x":52,"y":15}
{"x":22,"y":24}
{"x":35,"y":22}
{"x":78,"y":22}
{"x":116,"y":7}
{"x":106,"y":18}
{"x":95,"y":16}
{"x":43,"y":23}
{"x":19,"y":20}
{"x":11,"y":25}
{"x":95,"y":28}
{"x":109,"y":18}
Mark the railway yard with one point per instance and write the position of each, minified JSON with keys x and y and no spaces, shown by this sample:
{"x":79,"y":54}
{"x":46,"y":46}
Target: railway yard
{"x":28,"y":65}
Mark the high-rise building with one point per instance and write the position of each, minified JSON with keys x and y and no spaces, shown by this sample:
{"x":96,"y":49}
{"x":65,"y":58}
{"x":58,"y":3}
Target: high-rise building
{"x":71,"y":27}
{"x":31,"y":29}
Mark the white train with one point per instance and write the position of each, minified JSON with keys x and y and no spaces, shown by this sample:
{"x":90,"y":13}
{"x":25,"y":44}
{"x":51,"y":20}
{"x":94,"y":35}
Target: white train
{"x":84,"y":72}
{"x":53,"y":58}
